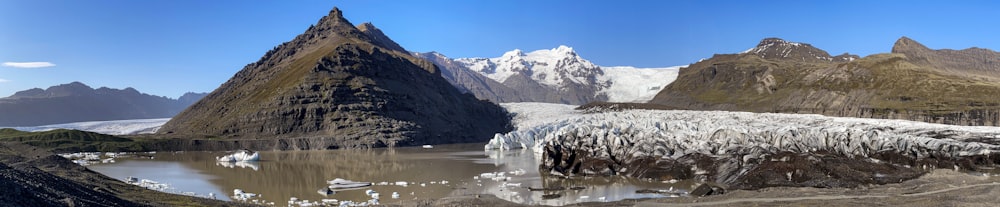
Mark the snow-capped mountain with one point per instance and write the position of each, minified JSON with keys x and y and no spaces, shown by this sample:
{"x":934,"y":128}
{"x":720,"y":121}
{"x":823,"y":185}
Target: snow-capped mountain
{"x":549,"y":67}
{"x":557,"y":75}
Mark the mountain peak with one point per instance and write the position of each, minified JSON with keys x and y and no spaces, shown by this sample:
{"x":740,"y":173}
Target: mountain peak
{"x":777,"y":48}
{"x":513,"y":53}
{"x":563,"y":49}
{"x":906,"y":45}
{"x":379,"y":38}
{"x":332,"y":24}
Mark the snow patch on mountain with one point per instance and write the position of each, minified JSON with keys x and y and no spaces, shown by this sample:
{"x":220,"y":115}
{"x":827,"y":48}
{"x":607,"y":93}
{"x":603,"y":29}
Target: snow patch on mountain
{"x":675,"y":133}
{"x":116,"y":127}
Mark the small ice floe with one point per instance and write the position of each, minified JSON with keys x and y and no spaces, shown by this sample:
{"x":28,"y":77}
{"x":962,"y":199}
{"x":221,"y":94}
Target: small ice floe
{"x":427,"y":146}
{"x":495,"y":176}
{"x":518,"y":172}
{"x":340,"y":183}
{"x":239,"y":194}
{"x":401,"y":183}
{"x":326,"y":191}
{"x":240,"y":156}
{"x":505,"y":184}
{"x":372,"y":193}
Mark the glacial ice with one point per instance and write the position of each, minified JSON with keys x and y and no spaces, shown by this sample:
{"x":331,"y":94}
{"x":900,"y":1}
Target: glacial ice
{"x":240,"y":156}
{"x":675,"y":133}
{"x":114,"y":127}
{"x":340,"y":183}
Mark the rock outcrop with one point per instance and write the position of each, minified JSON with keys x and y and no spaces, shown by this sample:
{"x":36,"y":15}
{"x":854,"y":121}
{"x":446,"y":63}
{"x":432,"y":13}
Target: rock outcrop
{"x":337,"y":85}
{"x":76,"y":102}
{"x":912,"y":82}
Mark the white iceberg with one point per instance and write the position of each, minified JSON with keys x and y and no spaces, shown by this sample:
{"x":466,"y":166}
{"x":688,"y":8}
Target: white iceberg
{"x":240,"y":156}
{"x":340,"y":183}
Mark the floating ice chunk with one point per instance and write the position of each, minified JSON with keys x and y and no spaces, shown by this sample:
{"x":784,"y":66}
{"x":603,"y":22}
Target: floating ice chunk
{"x":239,"y":194}
{"x":401,"y":183}
{"x":518,"y":172}
{"x":240,"y":156}
{"x":340,"y":183}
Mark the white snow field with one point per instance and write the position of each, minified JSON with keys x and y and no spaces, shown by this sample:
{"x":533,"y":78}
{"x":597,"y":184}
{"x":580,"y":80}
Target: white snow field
{"x":675,"y":133}
{"x":116,"y":127}
{"x":554,"y":66}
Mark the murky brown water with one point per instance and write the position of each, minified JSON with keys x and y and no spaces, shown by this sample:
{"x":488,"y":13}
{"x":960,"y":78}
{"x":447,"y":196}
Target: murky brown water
{"x":281,"y":175}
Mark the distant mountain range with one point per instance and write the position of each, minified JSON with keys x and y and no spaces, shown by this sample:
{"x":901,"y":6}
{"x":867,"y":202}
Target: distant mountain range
{"x":76,"y":102}
{"x":558,"y":75}
{"x":912,"y":82}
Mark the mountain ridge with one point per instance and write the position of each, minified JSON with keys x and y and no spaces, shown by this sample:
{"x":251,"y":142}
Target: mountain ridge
{"x":910,"y":83}
{"x":76,"y":102}
{"x":340,"y":85}
{"x":557,"y":75}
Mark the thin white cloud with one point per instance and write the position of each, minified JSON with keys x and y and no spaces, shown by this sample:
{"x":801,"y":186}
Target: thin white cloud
{"x":28,"y":64}
{"x":3,"y":80}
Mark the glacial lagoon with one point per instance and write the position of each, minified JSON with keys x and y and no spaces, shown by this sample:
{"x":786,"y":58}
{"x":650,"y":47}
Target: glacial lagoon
{"x":411,"y":172}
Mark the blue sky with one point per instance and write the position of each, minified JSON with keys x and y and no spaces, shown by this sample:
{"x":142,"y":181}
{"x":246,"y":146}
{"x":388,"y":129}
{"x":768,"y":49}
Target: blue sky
{"x":168,"y":47}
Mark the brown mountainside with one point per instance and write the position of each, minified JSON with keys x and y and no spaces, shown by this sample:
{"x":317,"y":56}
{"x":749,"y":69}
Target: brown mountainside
{"x":337,"y":85}
{"x":913,"y":82}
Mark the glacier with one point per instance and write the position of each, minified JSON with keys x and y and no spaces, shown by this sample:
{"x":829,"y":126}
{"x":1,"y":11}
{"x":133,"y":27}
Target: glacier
{"x":745,"y":140}
{"x":114,"y":127}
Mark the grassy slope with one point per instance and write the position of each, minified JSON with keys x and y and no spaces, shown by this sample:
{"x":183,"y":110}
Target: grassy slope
{"x":896,"y":83}
{"x":63,"y":140}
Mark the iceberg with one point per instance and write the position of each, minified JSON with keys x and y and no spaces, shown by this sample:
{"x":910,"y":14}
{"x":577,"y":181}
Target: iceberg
{"x":240,"y":156}
{"x":343,"y":184}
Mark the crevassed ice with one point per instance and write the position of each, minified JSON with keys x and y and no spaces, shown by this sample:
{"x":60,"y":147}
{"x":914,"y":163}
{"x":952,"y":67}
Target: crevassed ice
{"x":677,"y":133}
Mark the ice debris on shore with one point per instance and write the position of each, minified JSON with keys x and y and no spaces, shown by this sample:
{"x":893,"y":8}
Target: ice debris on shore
{"x":240,"y":156}
{"x":672,"y":134}
{"x":162,"y":187}
{"x":89,"y":158}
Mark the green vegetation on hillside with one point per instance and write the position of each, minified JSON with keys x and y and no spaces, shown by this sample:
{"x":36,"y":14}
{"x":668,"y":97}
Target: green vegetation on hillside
{"x":63,"y":140}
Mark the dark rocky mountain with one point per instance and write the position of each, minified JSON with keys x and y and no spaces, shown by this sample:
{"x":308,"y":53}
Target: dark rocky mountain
{"x":75,"y":102}
{"x":337,"y":85}
{"x":913,"y":83}
{"x":468,"y":81}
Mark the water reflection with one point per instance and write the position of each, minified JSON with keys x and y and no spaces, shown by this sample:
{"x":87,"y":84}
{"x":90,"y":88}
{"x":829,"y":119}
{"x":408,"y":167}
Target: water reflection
{"x":252,"y":165}
{"x":410,"y":173}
